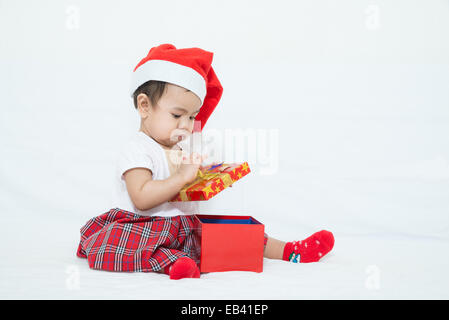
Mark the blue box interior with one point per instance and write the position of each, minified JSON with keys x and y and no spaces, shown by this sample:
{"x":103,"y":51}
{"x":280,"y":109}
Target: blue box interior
{"x":229,"y":221}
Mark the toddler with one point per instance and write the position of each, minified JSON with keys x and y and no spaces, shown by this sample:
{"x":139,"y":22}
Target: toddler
{"x":173,"y":90}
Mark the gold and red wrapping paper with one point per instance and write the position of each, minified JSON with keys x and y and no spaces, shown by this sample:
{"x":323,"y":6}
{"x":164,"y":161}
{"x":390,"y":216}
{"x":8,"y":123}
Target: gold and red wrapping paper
{"x":211,"y":180}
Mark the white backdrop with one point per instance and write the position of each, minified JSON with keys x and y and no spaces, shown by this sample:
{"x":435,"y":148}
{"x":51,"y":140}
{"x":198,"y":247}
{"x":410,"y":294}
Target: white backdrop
{"x":343,"y":106}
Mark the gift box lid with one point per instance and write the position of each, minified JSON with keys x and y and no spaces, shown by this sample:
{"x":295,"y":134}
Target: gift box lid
{"x":211,"y":180}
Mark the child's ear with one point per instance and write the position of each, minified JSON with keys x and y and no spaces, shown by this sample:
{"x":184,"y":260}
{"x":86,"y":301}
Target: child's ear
{"x":143,"y":105}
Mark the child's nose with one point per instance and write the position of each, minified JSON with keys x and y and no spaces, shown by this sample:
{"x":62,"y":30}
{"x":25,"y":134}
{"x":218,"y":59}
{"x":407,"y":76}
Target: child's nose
{"x":185,"y":125}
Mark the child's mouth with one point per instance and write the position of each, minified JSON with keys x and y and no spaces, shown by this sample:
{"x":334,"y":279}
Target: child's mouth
{"x":178,"y":136}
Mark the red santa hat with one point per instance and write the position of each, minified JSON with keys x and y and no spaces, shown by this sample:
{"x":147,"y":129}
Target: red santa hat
{"x":189,"y":68}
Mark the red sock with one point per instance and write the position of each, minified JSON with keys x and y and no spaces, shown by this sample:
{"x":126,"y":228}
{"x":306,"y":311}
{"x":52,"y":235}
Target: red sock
{"x":184,"y":267}
{"x":310,"y":249}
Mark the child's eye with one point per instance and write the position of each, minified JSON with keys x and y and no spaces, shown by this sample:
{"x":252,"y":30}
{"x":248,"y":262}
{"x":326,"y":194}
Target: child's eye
{"x":178,"y":115}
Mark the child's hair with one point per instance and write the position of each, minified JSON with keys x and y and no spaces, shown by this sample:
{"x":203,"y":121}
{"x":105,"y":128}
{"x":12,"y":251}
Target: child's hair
{"x":153,"y":89}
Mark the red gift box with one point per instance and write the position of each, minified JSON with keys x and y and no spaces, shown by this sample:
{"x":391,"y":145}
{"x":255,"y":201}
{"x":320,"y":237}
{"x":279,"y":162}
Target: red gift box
{"x":229,"y":243}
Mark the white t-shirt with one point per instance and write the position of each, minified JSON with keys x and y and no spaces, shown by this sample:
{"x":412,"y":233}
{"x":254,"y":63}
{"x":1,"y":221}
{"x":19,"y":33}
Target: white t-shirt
{"x":142,"y":151}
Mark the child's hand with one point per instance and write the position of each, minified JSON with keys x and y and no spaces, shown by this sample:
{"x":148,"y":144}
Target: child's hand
{"x":189,"y":166}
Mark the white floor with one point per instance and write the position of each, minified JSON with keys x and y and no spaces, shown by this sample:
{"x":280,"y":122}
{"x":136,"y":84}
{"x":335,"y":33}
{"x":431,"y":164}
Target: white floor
{"x":38,"y":261}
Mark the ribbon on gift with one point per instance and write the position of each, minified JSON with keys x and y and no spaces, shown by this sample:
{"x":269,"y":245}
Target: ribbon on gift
{"x":203,"y":176}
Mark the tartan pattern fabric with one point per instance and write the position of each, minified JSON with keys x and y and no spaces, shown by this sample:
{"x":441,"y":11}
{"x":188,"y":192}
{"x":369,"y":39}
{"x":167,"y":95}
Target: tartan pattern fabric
{"x":120,"y":240}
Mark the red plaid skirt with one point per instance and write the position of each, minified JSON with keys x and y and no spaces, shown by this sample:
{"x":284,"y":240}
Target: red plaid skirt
{"x":120,"y":240}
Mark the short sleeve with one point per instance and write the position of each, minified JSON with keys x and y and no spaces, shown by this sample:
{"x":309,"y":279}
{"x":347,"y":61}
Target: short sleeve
{"x":134,"y":155}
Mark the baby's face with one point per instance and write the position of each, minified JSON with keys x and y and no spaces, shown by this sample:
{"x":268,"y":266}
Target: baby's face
{"x":173,"y":116}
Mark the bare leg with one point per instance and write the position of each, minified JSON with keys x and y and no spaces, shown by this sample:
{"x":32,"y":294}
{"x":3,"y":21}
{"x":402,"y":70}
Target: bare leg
{"x":274,"y":249}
